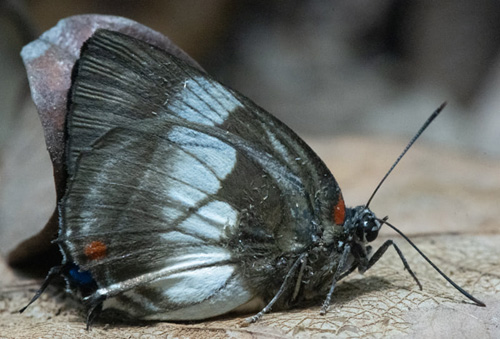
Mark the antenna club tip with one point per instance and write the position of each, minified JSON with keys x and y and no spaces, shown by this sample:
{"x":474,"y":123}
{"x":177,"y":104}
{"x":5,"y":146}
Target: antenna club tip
{"x":442,"y":106}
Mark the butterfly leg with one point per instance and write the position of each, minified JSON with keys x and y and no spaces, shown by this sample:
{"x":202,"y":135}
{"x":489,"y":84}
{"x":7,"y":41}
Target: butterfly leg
{"x":340,"y":268}
{"x":349,"y":271}
{"x":54,"y":271}
{"x":95,"y":308}
{"x":282,"y":289}
{"x":380,"y":252}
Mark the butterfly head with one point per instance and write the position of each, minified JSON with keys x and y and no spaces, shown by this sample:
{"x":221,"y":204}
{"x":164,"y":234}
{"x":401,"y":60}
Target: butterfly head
{"x":362,"y":224}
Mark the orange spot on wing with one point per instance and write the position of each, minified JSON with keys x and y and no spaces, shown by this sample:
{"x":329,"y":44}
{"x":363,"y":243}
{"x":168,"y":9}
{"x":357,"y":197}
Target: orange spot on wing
{"x":95,"y":250}
{"x":339,"y":212}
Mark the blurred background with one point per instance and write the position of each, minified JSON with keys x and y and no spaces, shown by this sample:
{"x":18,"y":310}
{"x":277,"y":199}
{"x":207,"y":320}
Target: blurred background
{"x":326,"y":68}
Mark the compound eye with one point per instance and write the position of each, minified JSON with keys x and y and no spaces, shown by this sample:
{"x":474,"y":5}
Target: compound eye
{"x":371,"y":234}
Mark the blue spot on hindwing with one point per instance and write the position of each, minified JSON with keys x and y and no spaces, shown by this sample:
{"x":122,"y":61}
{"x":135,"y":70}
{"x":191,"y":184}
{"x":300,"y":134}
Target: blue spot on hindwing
{"x":79,"y":277}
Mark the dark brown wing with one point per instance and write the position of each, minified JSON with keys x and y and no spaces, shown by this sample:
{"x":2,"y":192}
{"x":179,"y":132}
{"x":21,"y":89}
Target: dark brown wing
{"x":182,"y":194}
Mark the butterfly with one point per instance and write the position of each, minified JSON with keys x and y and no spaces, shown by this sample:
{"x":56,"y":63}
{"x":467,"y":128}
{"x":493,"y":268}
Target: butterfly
{"x":185,"y":200}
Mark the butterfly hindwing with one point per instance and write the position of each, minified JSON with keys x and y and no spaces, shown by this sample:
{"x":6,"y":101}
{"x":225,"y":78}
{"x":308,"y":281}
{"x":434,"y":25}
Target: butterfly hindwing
{"x":154,"y":197}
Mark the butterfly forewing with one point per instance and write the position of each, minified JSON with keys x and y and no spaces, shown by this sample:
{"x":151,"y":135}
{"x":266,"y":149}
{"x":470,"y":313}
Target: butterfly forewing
{"x":119,"y":80}
{"x":182,"y":193}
